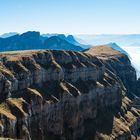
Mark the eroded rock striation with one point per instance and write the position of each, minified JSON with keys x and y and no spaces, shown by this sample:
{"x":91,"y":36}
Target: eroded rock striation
{"x":66,"y":95}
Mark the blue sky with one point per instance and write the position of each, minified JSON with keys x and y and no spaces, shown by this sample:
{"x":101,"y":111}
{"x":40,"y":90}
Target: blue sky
{"x":70,"y":16}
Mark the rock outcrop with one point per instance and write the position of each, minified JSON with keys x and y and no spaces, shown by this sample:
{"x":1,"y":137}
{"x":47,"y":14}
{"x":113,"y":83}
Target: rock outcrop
{"x":66,"y":95}
{"x":118,"y":63}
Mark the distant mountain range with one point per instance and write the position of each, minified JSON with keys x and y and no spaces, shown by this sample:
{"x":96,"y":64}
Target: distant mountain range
{"x":5,"y":35}
{"x":33,"y":40}
{"x":69,"y":38}
{"x":121,"y":40}
{"x":58,"y":43}
{"x":86,"y":41}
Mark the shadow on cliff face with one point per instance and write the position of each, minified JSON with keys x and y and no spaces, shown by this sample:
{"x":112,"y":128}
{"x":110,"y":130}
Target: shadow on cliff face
{"x":102,"y":124}
{"x":137,"y":87}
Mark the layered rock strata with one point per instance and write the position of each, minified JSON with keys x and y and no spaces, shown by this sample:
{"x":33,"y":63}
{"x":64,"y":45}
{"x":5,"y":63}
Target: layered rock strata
{"x":65,"y":95}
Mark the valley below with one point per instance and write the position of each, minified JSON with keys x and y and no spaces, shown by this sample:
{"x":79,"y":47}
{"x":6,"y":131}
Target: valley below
{"x":134,"y":53}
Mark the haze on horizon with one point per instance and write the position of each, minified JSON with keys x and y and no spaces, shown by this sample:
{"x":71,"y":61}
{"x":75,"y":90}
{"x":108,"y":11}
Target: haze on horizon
{"x":70,"y":16}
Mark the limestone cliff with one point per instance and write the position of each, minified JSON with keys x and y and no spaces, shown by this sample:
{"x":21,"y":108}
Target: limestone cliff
{"x":66,"y":95}
{"x":118,"y":63}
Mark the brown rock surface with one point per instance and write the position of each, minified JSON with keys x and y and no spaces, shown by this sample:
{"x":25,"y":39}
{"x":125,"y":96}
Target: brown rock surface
{"x":103,"y":51}
{"x":52,"y":95}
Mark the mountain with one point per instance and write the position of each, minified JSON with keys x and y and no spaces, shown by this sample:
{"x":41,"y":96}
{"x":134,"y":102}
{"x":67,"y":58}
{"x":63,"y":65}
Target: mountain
{"x":25,"y":41}
{"x":58,"y":43}
{"x":69,"y":38}
{"x":5,"y":35}
{"x":107,"y":54}
{"x":33,"y":40}
{"x":73,"y":40}
{"x":55,"y":95}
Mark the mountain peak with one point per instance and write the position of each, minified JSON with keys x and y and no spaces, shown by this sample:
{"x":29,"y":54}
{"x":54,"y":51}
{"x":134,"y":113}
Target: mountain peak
{"x":31,"y":33}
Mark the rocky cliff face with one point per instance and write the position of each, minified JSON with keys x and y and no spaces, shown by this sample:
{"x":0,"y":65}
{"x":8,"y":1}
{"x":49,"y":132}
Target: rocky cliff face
{"x":52,"y":95}
{"x":118,"y":63}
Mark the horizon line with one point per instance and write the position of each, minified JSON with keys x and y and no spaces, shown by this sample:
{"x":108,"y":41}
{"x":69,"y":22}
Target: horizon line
{"x":41,"y":33}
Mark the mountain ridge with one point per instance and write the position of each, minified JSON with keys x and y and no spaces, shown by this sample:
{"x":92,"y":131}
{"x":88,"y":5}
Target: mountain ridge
{"x":32,"y":40}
